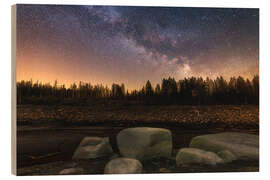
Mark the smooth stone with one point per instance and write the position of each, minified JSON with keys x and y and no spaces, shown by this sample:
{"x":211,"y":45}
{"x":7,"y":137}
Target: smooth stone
{"x":164,"y":170}
{"x":243,"y":146}
{"x":145,"y":143}
{"x":187,"y":156}
{"x":227,"y":156}
{"x":93,"y":147}
{"x":70,"y":171}
{"x":123,"y":166}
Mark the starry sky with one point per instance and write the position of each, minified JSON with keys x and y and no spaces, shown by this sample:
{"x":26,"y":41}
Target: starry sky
{"x":130,"y":45}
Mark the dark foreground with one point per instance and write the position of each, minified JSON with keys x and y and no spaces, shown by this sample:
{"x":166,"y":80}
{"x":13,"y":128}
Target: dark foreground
{"x":46,"y":140}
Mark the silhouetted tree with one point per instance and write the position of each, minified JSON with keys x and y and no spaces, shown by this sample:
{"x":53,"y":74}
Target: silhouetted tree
{"x":148,"y":89}
{"x":157,"y":89}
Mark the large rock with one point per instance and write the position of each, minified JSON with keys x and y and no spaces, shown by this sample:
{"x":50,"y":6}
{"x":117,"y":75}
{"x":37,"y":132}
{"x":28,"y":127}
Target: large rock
{"x":123,"y":166}
{"x":145,"y":143}
{"x":243,"y":146}
{"x":93,"y":147}
{"x":187,"y":156}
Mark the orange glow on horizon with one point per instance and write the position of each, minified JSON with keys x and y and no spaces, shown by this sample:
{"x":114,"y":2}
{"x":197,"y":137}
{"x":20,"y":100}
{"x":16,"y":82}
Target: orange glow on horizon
{"x":47,"y":68}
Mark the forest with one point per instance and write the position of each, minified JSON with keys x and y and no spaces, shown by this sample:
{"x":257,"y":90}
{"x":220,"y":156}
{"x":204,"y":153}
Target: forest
{"x":187,"y":91}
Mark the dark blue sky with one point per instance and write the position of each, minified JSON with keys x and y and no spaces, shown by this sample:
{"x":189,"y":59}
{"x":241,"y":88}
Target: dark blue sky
{"x":106,"y":44}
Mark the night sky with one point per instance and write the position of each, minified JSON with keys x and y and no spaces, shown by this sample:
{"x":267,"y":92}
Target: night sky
{"x":130,"y":45}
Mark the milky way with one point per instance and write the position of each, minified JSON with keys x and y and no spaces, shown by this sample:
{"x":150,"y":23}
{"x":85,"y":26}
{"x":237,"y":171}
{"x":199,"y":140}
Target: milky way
{"x":106,"y":44}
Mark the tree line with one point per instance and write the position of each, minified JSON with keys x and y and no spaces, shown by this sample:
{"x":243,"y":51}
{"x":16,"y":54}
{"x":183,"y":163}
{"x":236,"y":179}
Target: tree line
{"x":187,"y":91}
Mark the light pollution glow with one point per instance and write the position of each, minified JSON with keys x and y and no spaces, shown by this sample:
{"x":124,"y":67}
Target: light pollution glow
{"x":130,"y":45}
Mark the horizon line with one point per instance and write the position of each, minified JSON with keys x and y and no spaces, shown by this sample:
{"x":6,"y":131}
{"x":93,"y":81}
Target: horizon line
{"x":106,"y":85}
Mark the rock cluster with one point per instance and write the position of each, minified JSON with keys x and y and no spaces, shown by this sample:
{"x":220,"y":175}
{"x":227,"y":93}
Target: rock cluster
{"x":142,"y":144}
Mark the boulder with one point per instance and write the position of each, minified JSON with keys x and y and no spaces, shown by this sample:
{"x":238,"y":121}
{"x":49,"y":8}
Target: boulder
{"x":70,"y":171}
{"x":243,"y":146}
{"x":187,"y":156}
{"x":93,"y":147}
{"x":123,"y":166}
{"x":145,"y":143}
{"x":227,"y":156}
